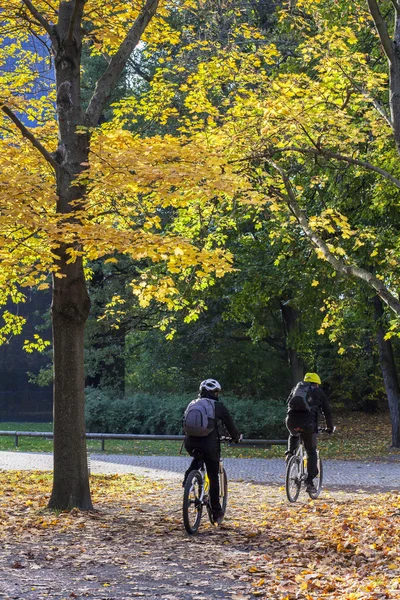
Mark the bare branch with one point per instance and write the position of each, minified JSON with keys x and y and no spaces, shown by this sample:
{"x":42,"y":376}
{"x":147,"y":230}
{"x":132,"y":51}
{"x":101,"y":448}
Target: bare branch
{"x":379,"y":108}
{"x":76,"y":17}
{"x":381,"y":28}
{"x":138,"y":70}
{"x":396,"y":6}
{"x":339,"y":265}
{"x":29,"y":135}
{"x":348,"y":159}
{"x":39,"y":17}
{"x":113,"y":72}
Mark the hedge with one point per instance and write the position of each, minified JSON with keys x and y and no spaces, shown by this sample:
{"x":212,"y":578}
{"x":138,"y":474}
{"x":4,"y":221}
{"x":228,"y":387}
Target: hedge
{"x":149,"y":414}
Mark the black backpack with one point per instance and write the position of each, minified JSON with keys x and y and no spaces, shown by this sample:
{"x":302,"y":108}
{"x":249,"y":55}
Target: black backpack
{"x":300,"y":399}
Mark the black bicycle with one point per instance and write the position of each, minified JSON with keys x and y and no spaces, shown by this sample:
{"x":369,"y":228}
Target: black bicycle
{"x":296,"y":473}
{"x":196,"y":492}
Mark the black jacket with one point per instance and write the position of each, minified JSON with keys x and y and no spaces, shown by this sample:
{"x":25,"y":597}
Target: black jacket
{"x":210,"y":443}
{"x":319,"y":404}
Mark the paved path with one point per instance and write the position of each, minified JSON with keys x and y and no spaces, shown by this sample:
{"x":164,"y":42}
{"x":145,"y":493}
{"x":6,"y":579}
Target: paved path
{"x":352,"y":474}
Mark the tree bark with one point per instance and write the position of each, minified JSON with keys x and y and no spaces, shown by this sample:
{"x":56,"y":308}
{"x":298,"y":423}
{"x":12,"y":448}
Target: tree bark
{"x":394,"y":85}
{"x":392,"y":50}
{"x":291,"y":321}
{"x":389,"y":373}
{"x":71,"y":304}
{"x":70,"y":310}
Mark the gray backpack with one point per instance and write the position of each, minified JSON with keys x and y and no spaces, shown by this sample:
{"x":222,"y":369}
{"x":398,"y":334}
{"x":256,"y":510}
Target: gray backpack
{"x":300,"y":399}
{"x":199,"y":418}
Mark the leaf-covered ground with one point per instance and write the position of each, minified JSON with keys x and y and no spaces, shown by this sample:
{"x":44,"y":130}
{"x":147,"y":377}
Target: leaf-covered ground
{"x":344,"y":545}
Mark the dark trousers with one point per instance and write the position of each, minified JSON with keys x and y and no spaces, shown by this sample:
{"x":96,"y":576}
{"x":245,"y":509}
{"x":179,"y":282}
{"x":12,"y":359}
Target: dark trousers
{"x":212,"y":467}
{"x":309,"y":436}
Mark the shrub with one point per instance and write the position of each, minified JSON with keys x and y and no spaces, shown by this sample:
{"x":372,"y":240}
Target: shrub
{"x":149,"y":414}
{"x":258,"y":418}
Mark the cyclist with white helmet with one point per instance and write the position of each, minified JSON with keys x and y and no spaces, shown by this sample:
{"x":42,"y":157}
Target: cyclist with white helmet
{"x":305,"y":403}
{"x":209,"y":443}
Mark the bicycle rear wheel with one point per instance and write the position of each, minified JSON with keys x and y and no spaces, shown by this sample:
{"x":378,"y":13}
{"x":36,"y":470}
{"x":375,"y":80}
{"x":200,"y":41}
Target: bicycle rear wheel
{"x":192,"y":505}
{"x":293,"y":479}
{"x":318,"y":480}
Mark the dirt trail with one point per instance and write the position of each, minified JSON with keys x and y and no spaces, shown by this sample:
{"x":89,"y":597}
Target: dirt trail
{"x":137,"y":547}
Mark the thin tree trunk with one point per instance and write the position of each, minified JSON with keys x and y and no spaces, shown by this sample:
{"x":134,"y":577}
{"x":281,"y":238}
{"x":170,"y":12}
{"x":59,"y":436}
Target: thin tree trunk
{"x":394,"y":84}
{"x":291,"y":321}
{"x":389,"y":373}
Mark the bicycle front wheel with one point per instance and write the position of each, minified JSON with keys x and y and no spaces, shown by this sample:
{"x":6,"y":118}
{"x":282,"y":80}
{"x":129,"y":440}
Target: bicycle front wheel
{"x":293,"y":479}
{"x":318,"y":480}
{"x":192,"y":504}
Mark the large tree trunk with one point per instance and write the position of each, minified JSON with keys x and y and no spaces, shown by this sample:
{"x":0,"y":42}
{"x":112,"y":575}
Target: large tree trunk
{"x":389,"y":373}
{"x":70,"y":310}
{"x":291,"y":321}
{"x":71,"y":304}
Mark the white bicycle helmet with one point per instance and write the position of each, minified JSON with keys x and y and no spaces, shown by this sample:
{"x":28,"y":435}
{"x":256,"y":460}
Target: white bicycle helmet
{"x":210,"y":385}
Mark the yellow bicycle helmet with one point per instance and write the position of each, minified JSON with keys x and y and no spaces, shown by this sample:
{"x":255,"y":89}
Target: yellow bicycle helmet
{"x":312,"y":378}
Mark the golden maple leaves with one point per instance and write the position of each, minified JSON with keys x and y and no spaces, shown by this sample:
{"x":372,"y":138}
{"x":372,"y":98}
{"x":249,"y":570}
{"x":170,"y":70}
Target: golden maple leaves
{"x":129,"y":183}
{"x":342,"y":547}
{"x":239,"y":106}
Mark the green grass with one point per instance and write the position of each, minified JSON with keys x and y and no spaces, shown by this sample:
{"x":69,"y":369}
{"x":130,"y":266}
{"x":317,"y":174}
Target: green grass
{"x":358,"y":436}
{"x":139,"y":447}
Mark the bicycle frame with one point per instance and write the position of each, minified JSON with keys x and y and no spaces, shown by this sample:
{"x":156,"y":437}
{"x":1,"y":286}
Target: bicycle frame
{"x":206,"y":482}
{"x":302,"y":455}
{"x":196,"y":494}
{"x":296,"y":474}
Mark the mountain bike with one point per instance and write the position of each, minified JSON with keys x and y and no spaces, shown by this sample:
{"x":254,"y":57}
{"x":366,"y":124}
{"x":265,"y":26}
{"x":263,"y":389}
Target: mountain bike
{"x":196,"y":492}
{"x":296,"y":473}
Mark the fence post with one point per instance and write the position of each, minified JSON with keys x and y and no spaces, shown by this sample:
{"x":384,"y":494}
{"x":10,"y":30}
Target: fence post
{"x":16,"y":439}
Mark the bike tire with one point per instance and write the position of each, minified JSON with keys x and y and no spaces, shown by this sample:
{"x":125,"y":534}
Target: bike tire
{"x":318,"y":480}
{"x":224,"y":495}
{"x":293,"y":480}
{"x":192,"y":508}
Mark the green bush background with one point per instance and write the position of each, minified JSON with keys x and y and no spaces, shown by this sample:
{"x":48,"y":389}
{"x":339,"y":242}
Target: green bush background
{"x":149,"y":414}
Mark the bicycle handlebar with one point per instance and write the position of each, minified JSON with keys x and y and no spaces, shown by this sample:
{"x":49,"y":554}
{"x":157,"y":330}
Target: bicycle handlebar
{"x":326,"y":430}
{"x":229,"y":440}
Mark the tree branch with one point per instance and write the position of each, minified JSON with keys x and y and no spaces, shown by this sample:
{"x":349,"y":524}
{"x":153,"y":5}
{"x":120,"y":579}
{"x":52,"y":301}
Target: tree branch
{"x":336,"y":156}
{"x":29,"y":135}
{"x":337,"y":264}
{"x":39,"y":17}
{"x":396,"y":6}
{"x":139,"y":71}
{"x":113,"y":72}
{"x":76,"y":17}
{"x":379,"y":108}
{"x":381,"y":29}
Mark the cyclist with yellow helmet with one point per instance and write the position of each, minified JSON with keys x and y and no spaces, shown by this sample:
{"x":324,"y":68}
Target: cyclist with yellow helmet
{"x":305,"y":403}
